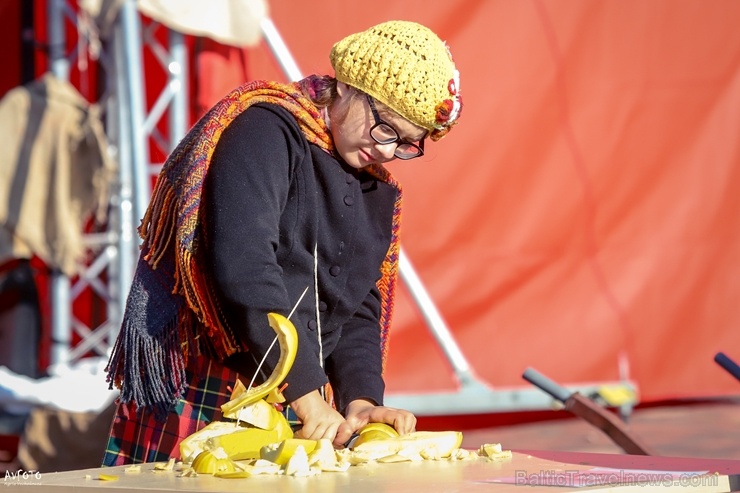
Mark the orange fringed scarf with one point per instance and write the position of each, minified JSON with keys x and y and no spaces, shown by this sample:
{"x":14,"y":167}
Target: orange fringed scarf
{"x":171,"y":314}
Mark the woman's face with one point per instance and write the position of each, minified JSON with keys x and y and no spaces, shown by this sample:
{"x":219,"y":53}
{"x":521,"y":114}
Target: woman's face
{"x":351,"y":121}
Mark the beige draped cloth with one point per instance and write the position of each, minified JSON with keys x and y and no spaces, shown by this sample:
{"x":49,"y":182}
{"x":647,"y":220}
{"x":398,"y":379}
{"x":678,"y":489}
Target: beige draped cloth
{"x":231,"y":22}
{"x":54,"y":172}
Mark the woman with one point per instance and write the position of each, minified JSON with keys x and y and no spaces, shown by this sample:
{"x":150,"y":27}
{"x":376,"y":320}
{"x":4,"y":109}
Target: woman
{"x":277,"y":201}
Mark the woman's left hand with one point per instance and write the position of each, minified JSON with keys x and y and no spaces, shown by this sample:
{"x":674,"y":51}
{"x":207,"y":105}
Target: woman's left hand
{"x":361,"y":412}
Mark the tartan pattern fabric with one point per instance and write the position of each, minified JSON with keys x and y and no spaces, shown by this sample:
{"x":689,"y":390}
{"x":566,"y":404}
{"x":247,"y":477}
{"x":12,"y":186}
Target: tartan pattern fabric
{"x":139,"y":437}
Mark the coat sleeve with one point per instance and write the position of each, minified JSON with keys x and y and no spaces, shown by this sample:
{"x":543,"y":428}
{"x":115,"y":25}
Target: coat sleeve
{"x":246,"y":189}
{"x":355,"y":366}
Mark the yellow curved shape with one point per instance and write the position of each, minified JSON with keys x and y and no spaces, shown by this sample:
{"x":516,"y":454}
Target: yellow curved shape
{"x":375,"y":431}
{"x":288,"y":341}
{"x":238,"y":442}
{"x":211,"y":462}
{"x":282,"y":452}
{"x":437,"y":443}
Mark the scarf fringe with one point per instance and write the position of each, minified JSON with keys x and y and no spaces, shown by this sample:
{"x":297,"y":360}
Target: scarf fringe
{"x":157,"y":227}
{"x":153,"y":367}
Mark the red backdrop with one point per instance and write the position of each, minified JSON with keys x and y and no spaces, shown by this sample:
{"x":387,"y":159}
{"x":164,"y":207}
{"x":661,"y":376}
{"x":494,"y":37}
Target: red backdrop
{"x":587,"y":206}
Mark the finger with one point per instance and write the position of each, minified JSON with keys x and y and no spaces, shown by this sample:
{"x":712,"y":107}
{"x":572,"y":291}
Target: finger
{"x":329,"y":432}
{"x":403,"y":421}
{"x":343,"y":434}
{"x":408,"y":423}
{"x":309,"y":430}
{"x":319,"y":431}
{"x":315,"y":434}
{"x":356,"y":422}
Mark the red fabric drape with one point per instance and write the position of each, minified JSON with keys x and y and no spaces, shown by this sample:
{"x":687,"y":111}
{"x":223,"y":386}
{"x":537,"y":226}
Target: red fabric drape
{"x":586,"y":207}
{"x":588,"y":204}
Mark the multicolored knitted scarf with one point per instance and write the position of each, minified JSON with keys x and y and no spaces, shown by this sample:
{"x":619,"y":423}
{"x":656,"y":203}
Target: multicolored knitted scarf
{"x":171,"y":312}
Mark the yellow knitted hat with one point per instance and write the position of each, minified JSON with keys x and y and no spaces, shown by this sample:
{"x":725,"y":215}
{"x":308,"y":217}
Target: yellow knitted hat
{"x":405,"y":66}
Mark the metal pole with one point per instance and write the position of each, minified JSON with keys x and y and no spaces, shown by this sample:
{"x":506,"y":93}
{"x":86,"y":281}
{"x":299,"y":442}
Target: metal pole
{"x":178,"y":69}
{"x":132,"y":47}
{"x":57,"y":40}
{"x":124,"y":209}
{"x":435,"y":322}
{"x":280,"y":50}
{"x":61,"y":334}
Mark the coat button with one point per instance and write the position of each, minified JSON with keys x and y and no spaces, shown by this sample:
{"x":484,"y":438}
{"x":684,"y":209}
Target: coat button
{"x":335,"y":270}
{"x":349,"y":200}
{"x":312,"y":325}
{"x":349,"y":177}
{"x":322,"y":306}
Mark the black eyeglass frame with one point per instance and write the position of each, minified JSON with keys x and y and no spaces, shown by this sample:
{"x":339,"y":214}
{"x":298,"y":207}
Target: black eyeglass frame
{"x":401,"y":142}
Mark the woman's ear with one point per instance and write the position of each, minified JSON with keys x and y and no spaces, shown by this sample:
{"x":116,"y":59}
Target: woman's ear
{"x":339,"y":109}
{"x":342,"y":89}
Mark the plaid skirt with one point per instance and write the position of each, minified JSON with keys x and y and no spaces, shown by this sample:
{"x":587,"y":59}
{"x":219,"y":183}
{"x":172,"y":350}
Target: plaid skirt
{"x":139,"y":437}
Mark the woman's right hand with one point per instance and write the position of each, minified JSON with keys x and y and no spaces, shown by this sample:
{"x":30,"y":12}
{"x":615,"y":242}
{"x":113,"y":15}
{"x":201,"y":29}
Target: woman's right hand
{"x":319,"y":420}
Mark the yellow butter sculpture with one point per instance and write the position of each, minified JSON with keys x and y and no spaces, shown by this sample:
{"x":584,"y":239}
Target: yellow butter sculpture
{"x":288,"y":341}
{"x":375,"y":431}
{"x":257,"y":423}
{"x":261,"y":435}
{"x":424,"y":444}
{"x":212,"y":462}
{"x":281,"y":452}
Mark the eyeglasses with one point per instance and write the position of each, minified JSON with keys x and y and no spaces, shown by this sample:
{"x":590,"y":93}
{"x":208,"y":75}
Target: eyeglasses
{"x":383,"y":133}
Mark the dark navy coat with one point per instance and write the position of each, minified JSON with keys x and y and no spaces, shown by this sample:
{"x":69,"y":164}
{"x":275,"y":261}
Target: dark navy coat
{"x":270,"y":198}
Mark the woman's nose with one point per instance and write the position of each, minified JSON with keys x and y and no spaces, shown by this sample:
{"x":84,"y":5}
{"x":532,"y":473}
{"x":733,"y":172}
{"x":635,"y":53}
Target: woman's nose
{"x":387,"y":150}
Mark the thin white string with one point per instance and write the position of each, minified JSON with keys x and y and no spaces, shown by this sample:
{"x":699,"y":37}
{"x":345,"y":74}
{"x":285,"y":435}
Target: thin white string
{"x":316,"y":304}
{"x":275,"y":340}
